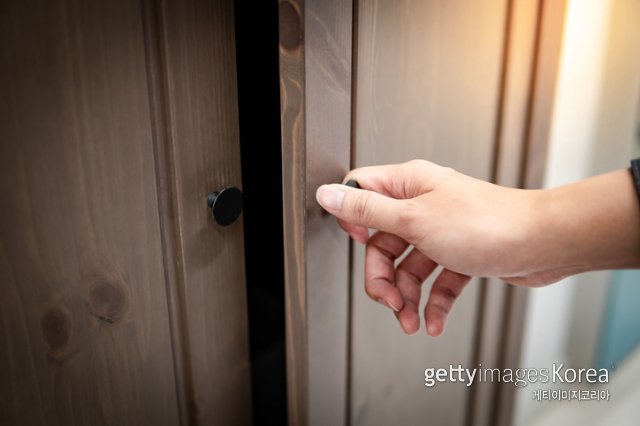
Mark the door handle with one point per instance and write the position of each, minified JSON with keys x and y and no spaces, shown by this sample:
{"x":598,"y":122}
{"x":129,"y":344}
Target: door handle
{"x":226,"y":205}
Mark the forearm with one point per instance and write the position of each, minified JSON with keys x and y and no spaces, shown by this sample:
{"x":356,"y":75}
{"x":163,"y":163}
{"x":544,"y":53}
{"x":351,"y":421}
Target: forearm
{"x":592,"y":224}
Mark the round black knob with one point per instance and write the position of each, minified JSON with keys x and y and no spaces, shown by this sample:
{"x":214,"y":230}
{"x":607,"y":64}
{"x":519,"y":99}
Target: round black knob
{"x":226,"y":205}
{"x":352,"y":183}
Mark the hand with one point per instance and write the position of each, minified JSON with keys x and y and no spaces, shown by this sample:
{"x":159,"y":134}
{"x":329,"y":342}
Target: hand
{"x":470,"y":228}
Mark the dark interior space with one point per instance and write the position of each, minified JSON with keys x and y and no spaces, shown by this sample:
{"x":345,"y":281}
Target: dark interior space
{"x":259,"y":106}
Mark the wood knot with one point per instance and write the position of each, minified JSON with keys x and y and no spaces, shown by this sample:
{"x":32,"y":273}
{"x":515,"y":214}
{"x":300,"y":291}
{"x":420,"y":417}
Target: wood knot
{"x":56,"y":327}
{"x":106,"y":300}
{"x":290,"y":25}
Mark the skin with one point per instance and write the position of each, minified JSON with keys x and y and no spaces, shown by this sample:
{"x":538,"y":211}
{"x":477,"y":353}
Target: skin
{"x":474,"y":228}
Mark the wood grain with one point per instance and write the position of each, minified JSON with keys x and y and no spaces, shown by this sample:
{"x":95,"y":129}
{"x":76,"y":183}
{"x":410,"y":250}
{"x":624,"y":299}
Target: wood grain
{"x":123,"y":302}
{"x":292,"y":123}
{"x":328,"y":156}
{"x":198,"y":50}
{"x":85,"y":332}
{"x":428,"y":81}
{"x":315,"y":63}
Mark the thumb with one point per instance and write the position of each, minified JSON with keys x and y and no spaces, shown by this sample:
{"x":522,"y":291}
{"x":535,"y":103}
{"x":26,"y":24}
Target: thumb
{"x":362,"y":207}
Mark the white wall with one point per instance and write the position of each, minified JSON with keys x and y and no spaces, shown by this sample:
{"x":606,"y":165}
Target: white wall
{"x":572,"y":139}
{"x":595,"y":129}
{"x":615,"y":133}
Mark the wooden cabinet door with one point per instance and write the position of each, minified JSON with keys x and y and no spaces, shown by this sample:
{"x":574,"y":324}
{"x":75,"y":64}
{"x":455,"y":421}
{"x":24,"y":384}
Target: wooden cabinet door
{"x":428,"y":87}
{"x":121,"y":301}
{"x":467,"y":84}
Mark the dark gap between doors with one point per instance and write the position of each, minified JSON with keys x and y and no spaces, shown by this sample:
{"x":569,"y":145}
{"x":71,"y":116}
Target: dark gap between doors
{"x":259,"y":108}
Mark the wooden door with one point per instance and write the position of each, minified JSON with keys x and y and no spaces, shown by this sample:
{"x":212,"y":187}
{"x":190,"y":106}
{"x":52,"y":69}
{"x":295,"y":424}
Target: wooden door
{"x":122,"y":302}
{"x":315,"y":86}
{"x":428,"y":87}
{"x":465,"y":83}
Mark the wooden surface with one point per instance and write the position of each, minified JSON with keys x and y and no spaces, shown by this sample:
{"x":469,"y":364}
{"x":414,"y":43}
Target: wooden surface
{"x":465,"y":84}
{"x":291,"y":27}
{"x":428,"y":84}
{"x":328,"y":155}
{"x":122,"y":301}
{"x":202,"y":115}
{"x":315,"y":59}
{"x":85,"y":332}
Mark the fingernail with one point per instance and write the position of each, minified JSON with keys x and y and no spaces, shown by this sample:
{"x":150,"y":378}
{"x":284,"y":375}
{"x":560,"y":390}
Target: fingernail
{"x":387,"y":304}
{"x":330,"y":197}
{"x":404,"y":329}
{"x":433,"y":330}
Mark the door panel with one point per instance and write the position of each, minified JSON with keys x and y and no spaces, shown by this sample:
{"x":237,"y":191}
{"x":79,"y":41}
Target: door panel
{"x":122,"y":301}
{"x":428,"y":81}
{"x":328,"y":131}
{"x":204,"y":153}
{"x":315,"y":84}
{"x":85,"y":332}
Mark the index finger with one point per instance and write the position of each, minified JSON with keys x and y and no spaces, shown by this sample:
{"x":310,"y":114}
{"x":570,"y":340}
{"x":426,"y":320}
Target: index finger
{"x":379,"y":272}
{"x":400,"y":181}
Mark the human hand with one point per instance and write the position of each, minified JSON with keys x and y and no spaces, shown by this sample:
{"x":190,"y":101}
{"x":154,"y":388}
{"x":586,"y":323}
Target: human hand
{"x":468,"y":226}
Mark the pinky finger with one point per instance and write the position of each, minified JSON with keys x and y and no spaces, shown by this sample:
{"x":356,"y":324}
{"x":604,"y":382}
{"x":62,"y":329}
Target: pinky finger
{"x":444,"y":292}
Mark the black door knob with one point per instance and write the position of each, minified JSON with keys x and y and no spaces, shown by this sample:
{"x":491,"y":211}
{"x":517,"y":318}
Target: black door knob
{"x":226,"y":205}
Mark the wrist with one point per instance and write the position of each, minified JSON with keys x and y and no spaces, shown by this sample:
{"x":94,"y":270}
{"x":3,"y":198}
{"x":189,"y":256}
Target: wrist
{"x":589,"y":225}
{"x":548,"y":244}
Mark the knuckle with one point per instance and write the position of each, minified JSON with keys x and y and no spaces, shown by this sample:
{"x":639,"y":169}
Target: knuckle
{"x":418,"y":165}
{"x":363,"y":207}
{"x":448,"y":294}
{"x":410,"y":274}
{"x":418,"y":162}
{"x":371,"y":289}
{"x":368,"y":291}
{"x":449,"y":170}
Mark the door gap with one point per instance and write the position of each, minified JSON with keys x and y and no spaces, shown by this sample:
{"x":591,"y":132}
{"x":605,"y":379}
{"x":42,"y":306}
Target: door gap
{"x":256,"y":28}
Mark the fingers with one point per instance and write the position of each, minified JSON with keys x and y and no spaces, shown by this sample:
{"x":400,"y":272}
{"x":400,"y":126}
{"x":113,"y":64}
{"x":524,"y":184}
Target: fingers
{"x":358,"y":233}
{"x":382,"y":251}
{"x":410,"y":274}
{"x":379,"y":273}
{"x":444,"y":292}
{"x":401,"y":181}
{"x":400,"y":288}
{"x":380,"y":210}
{"x":365,"y":208}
